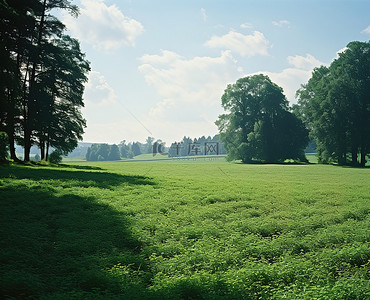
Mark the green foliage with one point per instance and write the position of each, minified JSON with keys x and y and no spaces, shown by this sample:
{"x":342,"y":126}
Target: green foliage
{"x":197,"y":146}
{"x":149,"y":145}
{"x":336,"y":108}
{"x":124,"y":149}
{"x":4,"y":146}
{"x":103,"y":152}
{"x":114,"y":153}
{"x":56,"y":157}
{"x":184,"y":230}
{"x":42,"y":77}
{"x":135,"y":148}
{"x":258,"y":125}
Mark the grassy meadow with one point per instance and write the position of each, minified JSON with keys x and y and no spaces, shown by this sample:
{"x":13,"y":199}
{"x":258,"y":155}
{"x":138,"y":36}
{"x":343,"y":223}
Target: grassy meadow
{"x":184,"y":229}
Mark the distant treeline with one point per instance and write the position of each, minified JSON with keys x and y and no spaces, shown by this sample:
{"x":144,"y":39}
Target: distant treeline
{"x":186,"y":147}
{"x":197,"y":146}
{"x":105,"y":152}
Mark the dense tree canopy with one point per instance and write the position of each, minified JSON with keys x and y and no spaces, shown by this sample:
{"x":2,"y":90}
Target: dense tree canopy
{"x":197,"y":146}
{"x":335,"y":105}
{"x":258,"y":125}
{"x":103,"y":152}
{"x":42,"y":76}
{"x":135,"y":148}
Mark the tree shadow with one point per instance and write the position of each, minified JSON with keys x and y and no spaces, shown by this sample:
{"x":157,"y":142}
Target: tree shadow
{"x":357,"y":166}
{"x":80,"y":167}
{"x":285,"y":163}
{"x":73,"y":177}
{"x":66,"y":246}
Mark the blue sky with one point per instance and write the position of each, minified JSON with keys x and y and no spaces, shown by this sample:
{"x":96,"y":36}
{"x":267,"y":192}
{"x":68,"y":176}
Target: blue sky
{"x":159,"y":68}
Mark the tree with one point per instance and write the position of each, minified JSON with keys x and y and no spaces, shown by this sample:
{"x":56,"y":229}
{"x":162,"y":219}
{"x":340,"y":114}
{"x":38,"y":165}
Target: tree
{"x":149,"y":145}
{"x":4,"y":142}
{"x":136,"y":149}
{"x":42,"y":75}
{"x":60,"y":88}
{"x":114,"y":153}
{"x":124,"y":149}
{"x":258,"y":125}
{"x":335,"y":106}
{"x":56,"y":157}
{"x":103,"y":152}
{"x":17,"y":21}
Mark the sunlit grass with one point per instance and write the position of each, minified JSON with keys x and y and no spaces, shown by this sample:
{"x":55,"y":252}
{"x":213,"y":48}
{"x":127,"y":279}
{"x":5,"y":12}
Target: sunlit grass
{"x":185,"y":229}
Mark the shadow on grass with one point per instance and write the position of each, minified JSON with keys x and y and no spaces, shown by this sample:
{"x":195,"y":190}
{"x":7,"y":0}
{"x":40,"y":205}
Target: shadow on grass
{"x":73,"y":177}
{"x":367,"y":166}
{"x":286,"y":163}
{"x":66,"y":246}
{"x":79,"y":167}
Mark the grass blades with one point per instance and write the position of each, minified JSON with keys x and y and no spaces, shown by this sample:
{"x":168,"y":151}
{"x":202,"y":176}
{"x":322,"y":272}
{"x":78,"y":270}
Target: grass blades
{"x":194,"y":229}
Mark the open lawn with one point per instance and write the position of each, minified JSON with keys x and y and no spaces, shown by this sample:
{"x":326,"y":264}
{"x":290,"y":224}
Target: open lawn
{"x":184,"y":229}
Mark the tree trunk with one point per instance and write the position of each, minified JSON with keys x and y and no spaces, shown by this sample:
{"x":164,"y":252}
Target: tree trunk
{"x":42,"y":150}
{"x":27,"y":145}
{"x":10,"y":127}
{"x":13,"y":155}
{"x":30,"y":99}
{"x":47,"y":148}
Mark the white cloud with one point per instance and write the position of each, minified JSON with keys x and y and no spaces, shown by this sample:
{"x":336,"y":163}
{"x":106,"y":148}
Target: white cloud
{"x":246,"y":25}
{"x":204,"y":15}
{"x":366,"y":30}
{"x":190,"y":89}
{"x":167,"y":58}
{"x":281,"y":23}
{"x":98,"y":91}
{"x":245,"y":45}
{"x":306,"y":63}
{"x":190,"y":92}
{"x":104,"y":27}
{"x":289,"y":79}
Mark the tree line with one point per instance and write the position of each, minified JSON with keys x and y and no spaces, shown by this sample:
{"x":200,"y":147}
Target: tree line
{"x":42,"y":77}
{"x":197,"y":146}
{"x":186,"y":147}
{"x":105,"y":152}
{"x":333,"y":109}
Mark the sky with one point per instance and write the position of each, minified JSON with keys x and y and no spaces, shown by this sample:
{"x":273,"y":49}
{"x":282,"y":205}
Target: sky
{"x":159,"y":68}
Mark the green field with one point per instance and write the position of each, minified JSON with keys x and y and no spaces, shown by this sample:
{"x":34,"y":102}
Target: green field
{"x":184,"y":229}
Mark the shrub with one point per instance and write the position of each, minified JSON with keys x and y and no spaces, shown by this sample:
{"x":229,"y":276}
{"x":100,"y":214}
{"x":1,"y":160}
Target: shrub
{"x":55,"y":157}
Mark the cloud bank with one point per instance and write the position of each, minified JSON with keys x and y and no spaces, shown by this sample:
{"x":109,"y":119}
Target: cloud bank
{"x":244,"y":45}
{"x":192,"y":85}
{"x":104,"y":27}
